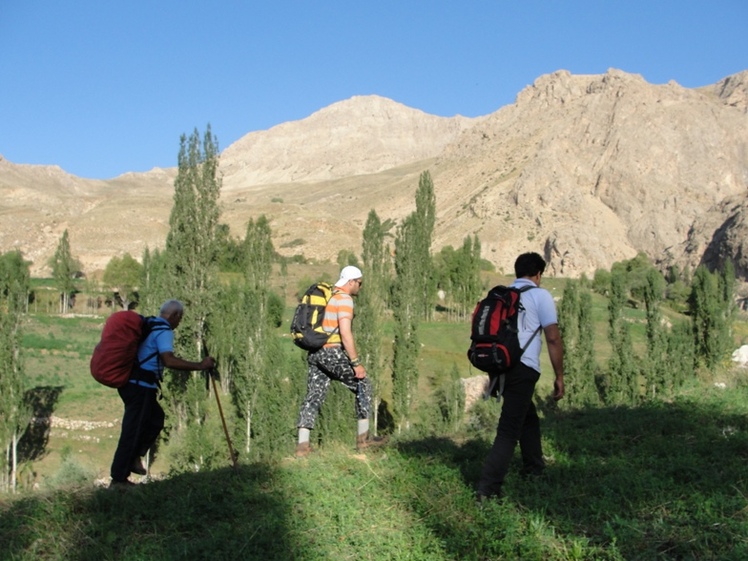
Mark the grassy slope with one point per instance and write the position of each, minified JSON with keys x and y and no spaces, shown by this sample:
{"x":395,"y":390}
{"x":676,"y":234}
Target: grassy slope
{"x":662,"y":481}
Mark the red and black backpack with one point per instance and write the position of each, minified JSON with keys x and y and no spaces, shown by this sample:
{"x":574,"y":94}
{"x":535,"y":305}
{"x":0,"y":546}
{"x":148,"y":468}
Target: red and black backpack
{"x":494,"y":336}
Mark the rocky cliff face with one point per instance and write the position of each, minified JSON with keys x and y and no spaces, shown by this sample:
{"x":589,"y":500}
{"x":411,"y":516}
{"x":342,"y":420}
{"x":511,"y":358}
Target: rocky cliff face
{"x":586,"y":169}
{"x":597,"y":168}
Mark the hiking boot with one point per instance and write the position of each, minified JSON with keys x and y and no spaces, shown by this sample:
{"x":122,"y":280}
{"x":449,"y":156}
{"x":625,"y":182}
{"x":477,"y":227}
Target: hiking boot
{"x":122,"y":485}
{"x":303,"y":449}
{"x":137,"y":467}
{"x":364,"y":441}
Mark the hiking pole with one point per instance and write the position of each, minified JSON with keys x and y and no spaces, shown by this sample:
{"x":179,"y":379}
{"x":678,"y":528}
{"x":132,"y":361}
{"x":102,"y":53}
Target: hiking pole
{"x":212,"y":372}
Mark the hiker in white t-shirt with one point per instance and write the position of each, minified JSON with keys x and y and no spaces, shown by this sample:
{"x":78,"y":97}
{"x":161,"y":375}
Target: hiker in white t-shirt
{"x":519,"y":420}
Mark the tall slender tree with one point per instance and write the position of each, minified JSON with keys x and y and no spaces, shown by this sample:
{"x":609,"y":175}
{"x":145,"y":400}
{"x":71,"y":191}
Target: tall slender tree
{"x":64,"y":266}
{"x":710,"y":306}
{"x":14,"y":291}
{"x":191,"y":257}
{"x":424,"y":223}
{"x":370,"y":308}
{"x":407,"y":307}
{"x":656,"y":371}
{"x":623,"y":374}
{"x":256,"y":351}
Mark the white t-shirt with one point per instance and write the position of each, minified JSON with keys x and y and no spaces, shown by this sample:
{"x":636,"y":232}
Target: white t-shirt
{"x":540,"y":311}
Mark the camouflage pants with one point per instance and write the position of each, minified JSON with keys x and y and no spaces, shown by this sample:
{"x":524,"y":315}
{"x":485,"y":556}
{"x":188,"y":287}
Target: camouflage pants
{"x":332,"y":364}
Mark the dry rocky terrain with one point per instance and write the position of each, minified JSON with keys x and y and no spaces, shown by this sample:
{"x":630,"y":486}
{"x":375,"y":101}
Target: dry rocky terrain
{"x":588,"y":170}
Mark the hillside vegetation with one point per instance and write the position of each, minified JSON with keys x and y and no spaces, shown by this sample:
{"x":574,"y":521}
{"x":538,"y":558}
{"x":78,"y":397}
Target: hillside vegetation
{"x":664,"y":480}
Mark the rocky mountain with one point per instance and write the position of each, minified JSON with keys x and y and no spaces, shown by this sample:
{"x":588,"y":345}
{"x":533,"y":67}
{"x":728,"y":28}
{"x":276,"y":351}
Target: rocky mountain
{"x":588,"y":170}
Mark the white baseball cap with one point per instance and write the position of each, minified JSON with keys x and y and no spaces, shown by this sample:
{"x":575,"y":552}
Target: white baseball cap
{"x":348,"y":273}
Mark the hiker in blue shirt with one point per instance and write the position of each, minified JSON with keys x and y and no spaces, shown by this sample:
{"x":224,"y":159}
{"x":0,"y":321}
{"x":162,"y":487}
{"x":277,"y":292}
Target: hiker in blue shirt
{"x":519,"y":420}
{"x":143,"y":419}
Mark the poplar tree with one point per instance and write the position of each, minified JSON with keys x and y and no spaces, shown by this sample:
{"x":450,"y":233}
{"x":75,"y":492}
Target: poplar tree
{"x":370,"y":308}
{"x":64,"y":266}
{"x":154,"y":273}
{"x":568,"y":311}
{"x":710,"y":305}
{"x":657,"y":373}
{"x":588,"y":369}
{"x":254,"y":324}
{"x":622,"y":374}
{"x":407,"y":306}
{"x":458,"y":274}
{"x":14,"y":292}
{"x":424,"y":222}
{"x":190,"y":276}
{"x":578,"y":333}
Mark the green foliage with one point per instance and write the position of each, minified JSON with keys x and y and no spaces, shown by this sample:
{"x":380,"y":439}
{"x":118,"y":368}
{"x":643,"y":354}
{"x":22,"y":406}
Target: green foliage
{"x":458,"y":274}
{"x":276,"y":307}
{"x":424,"y":220}
{"x":621,"y":384}
{"x":70,"y":474}
{"x":346,"y":257}
{"x":231,"y":254}
{"x":672,"y":474}
{"x":371,"y":306}
{"x":449,"y":404}
{"x":601,"y":282}
{"x":710,"y":308}
{"x":406,"y":303}
{"x":578,"y":334}
{"x":123,"y":275}
{"x":188,"y":273}
{"x":64,"y":267}
{"x":14,"y":291}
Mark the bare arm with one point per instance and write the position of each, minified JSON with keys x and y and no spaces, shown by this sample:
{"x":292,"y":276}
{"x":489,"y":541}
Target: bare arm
{"x":346,"y":337}
{"x":170,"y":360}
{"x":556,"y":354}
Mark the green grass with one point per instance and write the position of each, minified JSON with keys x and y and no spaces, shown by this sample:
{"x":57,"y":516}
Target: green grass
{"x":663,"y":481}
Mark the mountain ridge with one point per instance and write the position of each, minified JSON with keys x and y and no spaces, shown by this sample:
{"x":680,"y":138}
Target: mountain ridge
{"x":587,"y":169}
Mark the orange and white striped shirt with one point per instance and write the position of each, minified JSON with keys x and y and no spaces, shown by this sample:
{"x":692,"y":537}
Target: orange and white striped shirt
{"x":339,"y":306}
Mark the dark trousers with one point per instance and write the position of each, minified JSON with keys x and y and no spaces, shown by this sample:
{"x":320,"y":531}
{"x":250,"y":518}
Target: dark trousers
{"x":141,"y":424}
{"x":518,"y":422}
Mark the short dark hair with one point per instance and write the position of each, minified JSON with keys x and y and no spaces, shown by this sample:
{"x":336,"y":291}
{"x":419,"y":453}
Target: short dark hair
{"x":529,"y":265}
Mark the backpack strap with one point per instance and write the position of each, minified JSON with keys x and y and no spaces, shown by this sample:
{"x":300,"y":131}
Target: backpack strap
{"x":522,"y":307}
{"x":337,"y":327}
{"x":139,"y":374}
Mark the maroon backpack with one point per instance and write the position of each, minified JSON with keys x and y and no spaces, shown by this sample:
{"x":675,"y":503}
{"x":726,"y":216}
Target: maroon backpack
{"x":116,"y":354}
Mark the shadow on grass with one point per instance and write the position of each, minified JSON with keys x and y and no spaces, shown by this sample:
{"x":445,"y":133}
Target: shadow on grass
{"x":42,"y":401}
{"x":220,"y":514}
{"x":662,"y":480}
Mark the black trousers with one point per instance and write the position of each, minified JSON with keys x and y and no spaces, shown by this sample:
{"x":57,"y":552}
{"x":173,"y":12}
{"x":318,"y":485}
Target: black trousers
{"x":518,"y":422}
{"x":142,"y":422}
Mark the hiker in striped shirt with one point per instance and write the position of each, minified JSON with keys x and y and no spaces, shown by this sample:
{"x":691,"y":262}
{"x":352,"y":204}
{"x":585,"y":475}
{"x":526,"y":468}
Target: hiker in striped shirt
{"x":337,"y":360}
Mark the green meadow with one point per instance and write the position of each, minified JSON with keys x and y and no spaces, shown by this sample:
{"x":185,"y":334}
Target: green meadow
{"x":664,"y":480}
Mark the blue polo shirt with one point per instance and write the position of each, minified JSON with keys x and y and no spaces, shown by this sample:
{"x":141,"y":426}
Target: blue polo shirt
{"x":159,"y":341}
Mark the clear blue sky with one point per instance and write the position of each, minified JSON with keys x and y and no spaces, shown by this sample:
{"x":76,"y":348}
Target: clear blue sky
{"x":102,"y":87}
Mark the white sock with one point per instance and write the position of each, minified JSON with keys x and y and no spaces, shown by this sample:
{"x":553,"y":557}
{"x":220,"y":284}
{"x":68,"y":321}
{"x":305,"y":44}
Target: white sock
{"x":363,"y":426}
{"x":303,"y":435}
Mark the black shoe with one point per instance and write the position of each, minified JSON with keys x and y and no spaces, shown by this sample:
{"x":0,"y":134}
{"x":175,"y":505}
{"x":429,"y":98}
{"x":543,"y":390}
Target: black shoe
{"x":122,"y":485}
{"x":137,"y":467}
